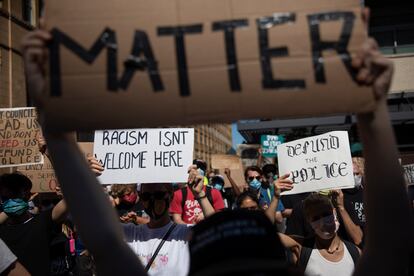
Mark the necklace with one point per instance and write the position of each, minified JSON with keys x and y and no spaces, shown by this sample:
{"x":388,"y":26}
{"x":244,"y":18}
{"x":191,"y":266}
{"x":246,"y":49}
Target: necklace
{"x":334,"y":250}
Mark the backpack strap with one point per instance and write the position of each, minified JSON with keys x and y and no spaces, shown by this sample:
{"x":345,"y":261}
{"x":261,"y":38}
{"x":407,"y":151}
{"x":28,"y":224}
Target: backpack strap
{"x":164,"y":238}
{"x":184,"y":198}
{"x":304,"y":257}
{"x":353,"y":251}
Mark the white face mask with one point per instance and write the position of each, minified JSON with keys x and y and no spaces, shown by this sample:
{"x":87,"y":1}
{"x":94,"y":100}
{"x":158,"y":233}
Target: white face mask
{"x":358,"y":181}
{"x":326,"y":227}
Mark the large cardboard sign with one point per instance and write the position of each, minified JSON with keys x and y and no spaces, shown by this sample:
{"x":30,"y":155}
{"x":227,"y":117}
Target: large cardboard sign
{"x":409,"y":173}
{"x":269,"y":144}
{"x":168,"y":62}
{"x":317,"y":163}
{"x":144,"y":155}
{"x":43,"y":176}
{"x":222,"y":161}
{"x":18,"y":132}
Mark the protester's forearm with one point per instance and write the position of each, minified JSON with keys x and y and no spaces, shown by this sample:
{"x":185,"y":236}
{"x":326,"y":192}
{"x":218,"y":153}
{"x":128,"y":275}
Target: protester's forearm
{"x":206,"y":206}
{"x":259,"y":160}
{"x":385,"y":184}
{"x":234,"y":186}
{"x":177,"y":219}
{"x":92,"y":213}
{"x":59,"y":211}
{"x":353,"y":230}
{"x":385,"y":180}
{"x":271,"y":211}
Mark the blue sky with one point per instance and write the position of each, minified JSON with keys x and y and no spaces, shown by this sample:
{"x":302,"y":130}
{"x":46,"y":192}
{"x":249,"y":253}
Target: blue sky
{"x":237,"y":138}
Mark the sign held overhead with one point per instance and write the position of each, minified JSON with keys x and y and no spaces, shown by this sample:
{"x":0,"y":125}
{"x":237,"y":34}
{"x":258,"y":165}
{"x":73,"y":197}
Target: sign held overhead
{"x":144,"y":155}
{"x":240,"y":59}
{"x":317,"y":163}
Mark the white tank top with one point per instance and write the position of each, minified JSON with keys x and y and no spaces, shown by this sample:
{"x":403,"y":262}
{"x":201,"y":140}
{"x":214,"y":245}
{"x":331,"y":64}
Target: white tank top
{"x":319,"y":266}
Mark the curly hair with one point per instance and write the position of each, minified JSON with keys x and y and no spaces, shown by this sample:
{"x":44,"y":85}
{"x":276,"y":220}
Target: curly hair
{"x":118,"y":190}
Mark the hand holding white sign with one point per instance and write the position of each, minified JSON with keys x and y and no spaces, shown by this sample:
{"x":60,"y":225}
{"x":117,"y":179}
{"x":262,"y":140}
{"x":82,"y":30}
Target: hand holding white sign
{"x":317,"y":163}
{"x":144,"y":155}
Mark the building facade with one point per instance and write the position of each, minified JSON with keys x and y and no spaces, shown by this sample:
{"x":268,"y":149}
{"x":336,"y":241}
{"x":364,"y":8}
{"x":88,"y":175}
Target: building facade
{"x":211,"y":139}
{"x":17,"y":17}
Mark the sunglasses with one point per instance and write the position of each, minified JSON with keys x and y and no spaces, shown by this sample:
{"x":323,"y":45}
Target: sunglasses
{"x":157,"y":196}
{"x":254,"y":177}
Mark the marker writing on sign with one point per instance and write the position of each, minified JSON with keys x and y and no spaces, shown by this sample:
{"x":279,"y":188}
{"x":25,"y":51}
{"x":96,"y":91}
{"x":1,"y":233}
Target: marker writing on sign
{"x":168,"y":158}
{"x":172,"y":138}
{"x":332,"y":170}
{"x":314,"y":146}
{"x":142,"y":57}
{"x":124,"y":160}
{"x":130,"y":138}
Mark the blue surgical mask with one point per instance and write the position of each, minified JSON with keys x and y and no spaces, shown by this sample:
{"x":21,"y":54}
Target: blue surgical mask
{"x":218,"y":186}
{"x":15,"y":207}
{"x":201,"y":172}
{"x":255,"y":184}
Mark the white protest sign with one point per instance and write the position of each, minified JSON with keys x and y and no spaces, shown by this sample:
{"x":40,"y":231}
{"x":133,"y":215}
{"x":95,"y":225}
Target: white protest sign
{"x":317,"y":163}
{"x":144,"y":155}
{"x":409,"y":173}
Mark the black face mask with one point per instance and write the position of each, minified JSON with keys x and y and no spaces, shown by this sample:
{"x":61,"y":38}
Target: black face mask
{"x":151,"y":206}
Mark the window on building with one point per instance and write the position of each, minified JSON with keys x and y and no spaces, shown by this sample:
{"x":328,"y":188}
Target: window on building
{"x":29,"y":11}
{"x":41,"y":8}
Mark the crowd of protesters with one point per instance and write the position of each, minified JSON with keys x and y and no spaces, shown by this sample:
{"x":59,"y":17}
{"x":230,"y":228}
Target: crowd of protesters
{"x":202,"y":227}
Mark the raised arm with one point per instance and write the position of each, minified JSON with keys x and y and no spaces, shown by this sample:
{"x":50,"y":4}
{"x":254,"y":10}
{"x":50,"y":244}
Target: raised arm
{"x":236,"y":189}
{"x":89,"y":207}
{"x":196,"y":183}
{"x":354,"y":231}
{"x":282,"y":184}
{"x":387,"y":248}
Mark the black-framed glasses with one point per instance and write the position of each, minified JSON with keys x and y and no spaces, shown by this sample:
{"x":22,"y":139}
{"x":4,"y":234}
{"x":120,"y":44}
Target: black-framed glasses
{"x":254,"y":177}
{"x":157,"y":196}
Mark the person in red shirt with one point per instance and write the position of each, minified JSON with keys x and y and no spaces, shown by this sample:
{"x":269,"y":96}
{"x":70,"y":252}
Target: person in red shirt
{"x":185,"y":209}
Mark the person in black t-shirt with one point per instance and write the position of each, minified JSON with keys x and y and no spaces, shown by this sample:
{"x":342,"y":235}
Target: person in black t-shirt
{"x":28,"y":236}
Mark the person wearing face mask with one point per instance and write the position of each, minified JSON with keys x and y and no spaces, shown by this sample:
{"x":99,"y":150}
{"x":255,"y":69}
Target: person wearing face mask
{"x":263,"y":188}
{"x":127,"y":203}
{"x":217,"y":182}
{"x":162,"y":245}
{"x":28,"y":236}
{"x":328,"y":254}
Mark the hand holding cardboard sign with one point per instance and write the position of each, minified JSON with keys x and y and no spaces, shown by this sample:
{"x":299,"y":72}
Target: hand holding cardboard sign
{"x":35,"y":59}
{"x":282,"y":184}
{"x":41,"y":143}
{"x":374,"y":68}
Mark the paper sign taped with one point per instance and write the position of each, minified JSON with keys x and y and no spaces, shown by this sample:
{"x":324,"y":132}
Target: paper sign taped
{"x":222,"y":161}
{"x":167,"y":62}
{"x":317,"y":163}
{"x":19,"y":130}
{"x":160,"y":155}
